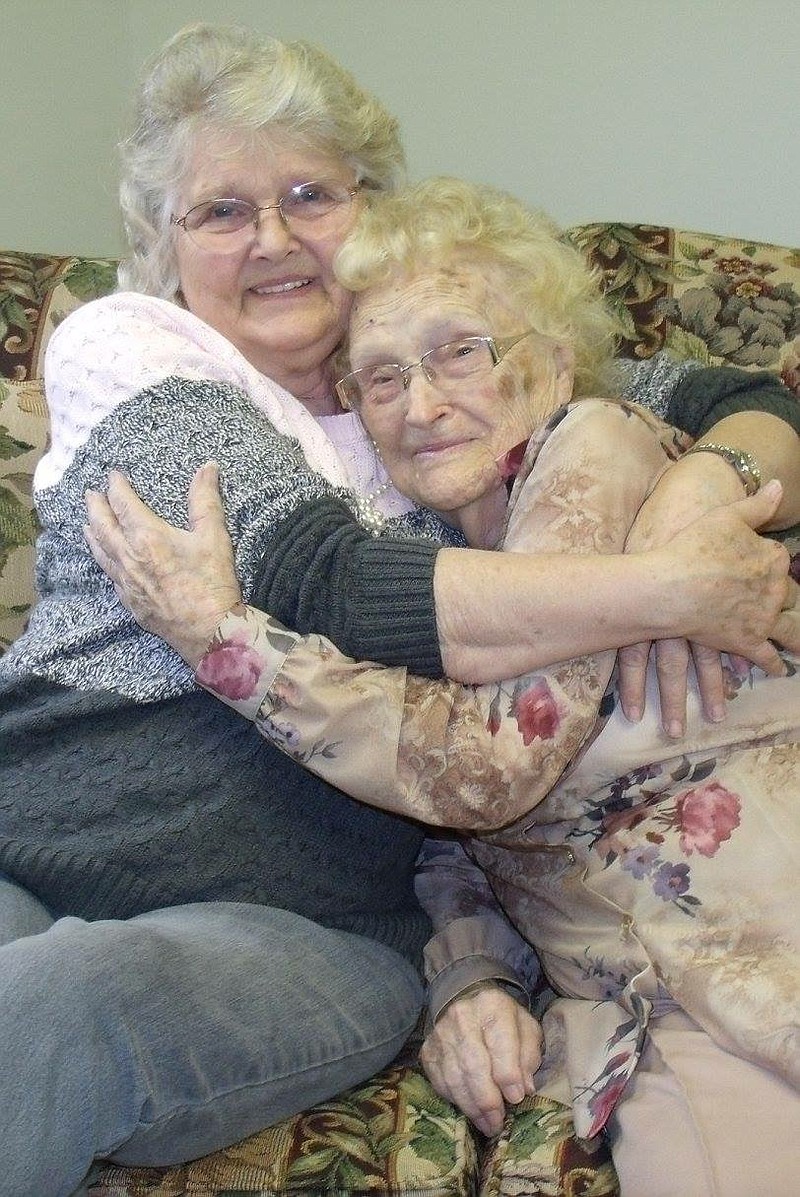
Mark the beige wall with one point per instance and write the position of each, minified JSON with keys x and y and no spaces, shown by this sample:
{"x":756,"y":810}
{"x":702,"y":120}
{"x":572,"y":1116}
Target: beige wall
{"x":667,"y":111}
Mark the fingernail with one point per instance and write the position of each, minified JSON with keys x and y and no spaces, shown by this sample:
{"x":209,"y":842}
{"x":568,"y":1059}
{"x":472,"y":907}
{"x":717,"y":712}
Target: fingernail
{"x":515,"y":1093}
{"x":634,"y":714}
{"x":717,"y":714}
{"x":674,"y":729}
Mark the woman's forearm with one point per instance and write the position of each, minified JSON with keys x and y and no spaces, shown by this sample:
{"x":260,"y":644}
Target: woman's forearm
{"x":774,"y":445}
{"x":497,"y":615}
{"x":713,"y":582}
{"x":475,"y":758}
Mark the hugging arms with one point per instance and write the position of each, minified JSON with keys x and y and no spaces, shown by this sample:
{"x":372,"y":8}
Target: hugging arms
{"x":517,"y":739}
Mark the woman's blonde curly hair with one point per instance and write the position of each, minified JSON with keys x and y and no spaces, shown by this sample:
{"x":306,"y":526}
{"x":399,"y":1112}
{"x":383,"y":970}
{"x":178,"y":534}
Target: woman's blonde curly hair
{"x":542,"y":275}
{"x":221,"y":77}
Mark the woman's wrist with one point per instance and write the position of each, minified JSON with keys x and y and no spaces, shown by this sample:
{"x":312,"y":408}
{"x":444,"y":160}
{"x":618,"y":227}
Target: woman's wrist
{"x":688,"y":488}
{"x":741,"y":462}
{"x":774,"y":445}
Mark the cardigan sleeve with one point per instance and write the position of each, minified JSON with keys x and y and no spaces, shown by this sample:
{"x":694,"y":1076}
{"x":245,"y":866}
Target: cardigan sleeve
{"x":703,"y":397}
{"x":695,"y":397}
{"x":320,"y":571}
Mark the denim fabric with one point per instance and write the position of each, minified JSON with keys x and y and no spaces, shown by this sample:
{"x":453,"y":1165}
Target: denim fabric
{"x":20,"y":913}
{"x":172,"y":1034}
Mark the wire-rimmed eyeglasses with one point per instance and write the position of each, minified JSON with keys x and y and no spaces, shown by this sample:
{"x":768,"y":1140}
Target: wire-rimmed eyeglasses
{"x":467,"y":357}
{"x":225,"y":225}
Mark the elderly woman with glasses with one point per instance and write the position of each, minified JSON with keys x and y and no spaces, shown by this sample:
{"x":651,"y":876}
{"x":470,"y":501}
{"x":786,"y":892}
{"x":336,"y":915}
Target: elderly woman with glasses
{"x":198,"y":936}
{"x":639,"y":872}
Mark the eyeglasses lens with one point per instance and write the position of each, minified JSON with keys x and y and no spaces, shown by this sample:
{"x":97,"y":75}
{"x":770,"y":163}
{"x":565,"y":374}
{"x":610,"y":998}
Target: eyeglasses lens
{"x":377,"y":386}
{"x":225,"y":225}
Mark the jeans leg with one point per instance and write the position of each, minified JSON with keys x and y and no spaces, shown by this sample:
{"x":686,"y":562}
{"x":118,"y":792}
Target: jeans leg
{"x":162,"y":1038}
{"x":20,"y":913}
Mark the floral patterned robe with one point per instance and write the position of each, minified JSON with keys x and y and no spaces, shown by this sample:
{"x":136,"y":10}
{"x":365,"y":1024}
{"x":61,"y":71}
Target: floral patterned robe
{"x":648,"y":875}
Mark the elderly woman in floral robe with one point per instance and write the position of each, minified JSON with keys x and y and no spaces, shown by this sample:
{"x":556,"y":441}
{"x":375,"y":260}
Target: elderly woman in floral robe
{"x":655,"y":876}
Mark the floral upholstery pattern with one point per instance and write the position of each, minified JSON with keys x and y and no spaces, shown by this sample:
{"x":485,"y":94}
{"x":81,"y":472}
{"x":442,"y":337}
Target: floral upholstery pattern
{"x":718,"y":300}
{"x":392,"y":1135}
{"x":715,"y":299}
{"x":537,"y":1153}
{"x":36,"y":292}
{"x":389,"y":1135}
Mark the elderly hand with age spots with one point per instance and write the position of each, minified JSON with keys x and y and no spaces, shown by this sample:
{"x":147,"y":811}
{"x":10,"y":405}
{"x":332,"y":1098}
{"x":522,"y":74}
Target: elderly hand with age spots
{"x":482,"y":1054}
{"x":177,"y":584}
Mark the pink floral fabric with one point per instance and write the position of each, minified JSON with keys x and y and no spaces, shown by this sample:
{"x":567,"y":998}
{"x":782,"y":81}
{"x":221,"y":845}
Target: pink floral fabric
{"x":470,"y":757}
{"x":648,"y":876}
{"x":231,"y":667}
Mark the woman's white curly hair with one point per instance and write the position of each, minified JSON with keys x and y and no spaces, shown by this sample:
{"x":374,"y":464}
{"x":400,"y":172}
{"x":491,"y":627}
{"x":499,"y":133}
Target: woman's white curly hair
{"x":544,"y":278}
{"x":211,"y":76}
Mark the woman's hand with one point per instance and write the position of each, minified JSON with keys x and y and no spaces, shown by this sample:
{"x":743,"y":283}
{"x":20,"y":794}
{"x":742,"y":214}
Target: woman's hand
{"x":482,"y":1053}
{"x":786,"y":632}
{"x":693,"y":486}
{"x":176,"y":584}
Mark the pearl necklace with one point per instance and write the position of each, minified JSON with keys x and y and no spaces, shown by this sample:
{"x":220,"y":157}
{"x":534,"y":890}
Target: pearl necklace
{"x":368,"y":514}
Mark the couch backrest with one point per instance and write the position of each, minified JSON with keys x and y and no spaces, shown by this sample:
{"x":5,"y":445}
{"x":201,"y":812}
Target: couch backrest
{"x":714,"y":299}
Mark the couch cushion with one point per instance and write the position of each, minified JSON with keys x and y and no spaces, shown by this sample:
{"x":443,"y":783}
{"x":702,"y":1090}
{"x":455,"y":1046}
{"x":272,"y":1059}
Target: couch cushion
{"x":538,"y":1152}
{"x":391,"y":1135}
{"x":36,"y":292}
{"x":23,"y":437}
{"x":716,"y":299}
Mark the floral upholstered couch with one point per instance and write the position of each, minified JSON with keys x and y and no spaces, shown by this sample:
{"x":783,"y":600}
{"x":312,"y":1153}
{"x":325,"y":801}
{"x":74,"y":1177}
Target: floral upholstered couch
{"x":717,"y":300}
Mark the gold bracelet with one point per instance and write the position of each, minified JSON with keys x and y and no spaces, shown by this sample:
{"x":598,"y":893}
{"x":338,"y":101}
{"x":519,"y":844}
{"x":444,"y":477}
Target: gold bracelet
{"x":744,"y":463}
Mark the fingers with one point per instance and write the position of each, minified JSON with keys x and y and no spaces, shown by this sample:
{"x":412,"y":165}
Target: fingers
{"x":117,"y":521}
{"x":759,"y":508}
{"x":787,"y":630}
{"x":531,"y":1047}
{"x":102,"y":532}
{"x":710,"y":681}
{"x":460,"y":1071}
{"x":514,"y":1044}
{"x":124,"y":501}
{"x":102,"y":558}
{"x":205,"y":502}
{"x":766,"y":656}
{"x":631,"y":679}
{"x":482,"y":1054}
{"x":672,"y":668}
{"x":101,"y":515}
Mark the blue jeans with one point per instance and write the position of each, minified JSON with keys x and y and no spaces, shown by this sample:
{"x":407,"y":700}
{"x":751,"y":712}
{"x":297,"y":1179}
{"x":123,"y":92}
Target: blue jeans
{"x":161,"y":1038}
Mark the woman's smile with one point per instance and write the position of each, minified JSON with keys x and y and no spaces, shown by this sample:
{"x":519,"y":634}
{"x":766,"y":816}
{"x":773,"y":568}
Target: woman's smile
{"x":435,"y":451}
{"x":282,"y":289}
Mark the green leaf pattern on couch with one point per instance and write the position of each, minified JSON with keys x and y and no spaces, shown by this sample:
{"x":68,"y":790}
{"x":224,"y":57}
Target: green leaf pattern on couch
{"x":538,"y":1153}
{"x":23,"y":431}
{"x":17,"y":523}
{"x":36,"y":292}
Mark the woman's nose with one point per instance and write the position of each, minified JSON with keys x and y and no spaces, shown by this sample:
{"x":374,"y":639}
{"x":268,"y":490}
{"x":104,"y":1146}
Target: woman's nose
{"x":273,"y":235}
{"x":425,"y":401}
